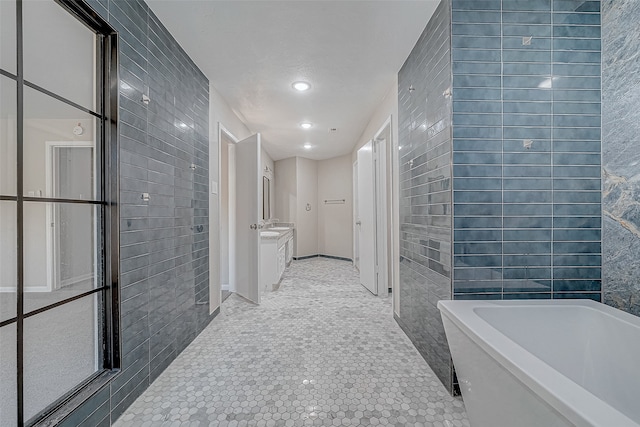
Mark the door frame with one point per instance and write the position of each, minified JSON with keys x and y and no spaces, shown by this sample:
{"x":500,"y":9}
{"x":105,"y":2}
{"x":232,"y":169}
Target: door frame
{"x":382,"y":197}
{"x":50,"y":239}
{"x":356,"y":236}
{"x":222,"y":130}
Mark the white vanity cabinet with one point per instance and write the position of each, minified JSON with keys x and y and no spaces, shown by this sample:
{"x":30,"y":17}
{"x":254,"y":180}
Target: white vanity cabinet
{"x":276,"y":251}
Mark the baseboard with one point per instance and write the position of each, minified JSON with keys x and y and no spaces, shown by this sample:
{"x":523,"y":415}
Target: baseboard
{"x":336,"y":257}
{"x":298,"y":258}
{"x":225,"y":287}
{"x":322,"y":256}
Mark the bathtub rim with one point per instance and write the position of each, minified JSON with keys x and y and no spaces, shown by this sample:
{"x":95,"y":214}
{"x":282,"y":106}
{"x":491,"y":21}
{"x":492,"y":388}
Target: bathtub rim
{"x":571,"y":400}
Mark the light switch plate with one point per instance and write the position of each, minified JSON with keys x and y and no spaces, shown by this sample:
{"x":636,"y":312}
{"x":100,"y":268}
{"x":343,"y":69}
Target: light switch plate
{"x":214,"y":187}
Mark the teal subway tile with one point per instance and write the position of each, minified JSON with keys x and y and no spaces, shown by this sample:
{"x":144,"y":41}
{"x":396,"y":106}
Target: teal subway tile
{"x":532,"y":133}
{"x":578,"y":222}
{"x":594,"y":260}
{"x":576,"y":6}
{"x":477,"y":196}
{"x":479,"y":55}
{"x":581,"y":134}
{"x":477,"y":210}
{"x":527,"y":222}
{"x":588,"y":70}
{"x":518,"y":146}
{"x":477,"y":222}
{"x":527,"y":158}
{"x":576,"y":18}
{"x":573,"y":209}
{"x":475,"y":29}
{"x":467,"y":287}
{"x":477,"y":235}
{"x":479,"y":171}
{"x":527,"y":183}
{"x":527,"y":260}
{"x":527,"y":171}
{"x":536,"y":43}
{"x":593,"y":184}
{"x":463,"y":119}
{"x":527,"y":197}
{"x":477,"y":132}
{"x":476,"y":4}
{"x":560,"y":107}
{"x":577,"y":196}
{"x":477,"y":184}
{"x":526,"y":5}
{"x":577,"y":31}
{"x":596,"y":296}
{"x":527,"y":94}
{"x":527,"y":209}
{"x":591,"y":95}
{"x":523,"y":55}
{"x":462,"y":81}
{"x":467,"y":42}
{"x":577,"y":146}
{"x":476,"y":16}
{"x":581,"y":82}
{"x":526,"y":295}
{"x":477,"y":260}
{"x":527,"y":69}
{"x":527,"y":107}
{"x":477,"y":144}
{"x":527,"y":120}
{"x":576,"y":57}
{"x":526,"y":17}
{"x":527,"y":235}
{"x":576,"y":285}
{"x":566,"y":171}
{"x":527,"y":248}
{"x":477,"y":107}
{"x":577,"y":44}
{"x":479,"y":94}
{"x":477,"y":248}
{"x":528,"y":273}
{"x":460,"y":158}
{"x":577,"y":235}
{"x":576,"y":120}
{"x":577,"y":247}
{"x":476,"y":68}
{"x":577,"y":273}
{"x":577,"y":159}
{"x":526,"y":30}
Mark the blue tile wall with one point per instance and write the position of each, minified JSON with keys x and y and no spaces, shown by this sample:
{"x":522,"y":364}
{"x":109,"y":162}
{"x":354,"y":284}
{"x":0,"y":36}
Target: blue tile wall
{"x":164,"y":252}
{"x":621,"y":154}
{"x":524,"y":218}
{"x":425,"y":184}
{"x":526,"y":189}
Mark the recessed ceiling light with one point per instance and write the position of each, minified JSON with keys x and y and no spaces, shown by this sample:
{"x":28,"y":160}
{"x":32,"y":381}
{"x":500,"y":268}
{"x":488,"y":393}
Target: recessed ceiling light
{"x":301,"y":86}
{"x":306,"y":125}
{"x":307,"y":146}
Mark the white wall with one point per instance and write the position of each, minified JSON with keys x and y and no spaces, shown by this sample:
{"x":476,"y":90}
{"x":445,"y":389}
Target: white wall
{"x":219,"y":112}
{"x":307,"y":194}
{"x":335,"y":224}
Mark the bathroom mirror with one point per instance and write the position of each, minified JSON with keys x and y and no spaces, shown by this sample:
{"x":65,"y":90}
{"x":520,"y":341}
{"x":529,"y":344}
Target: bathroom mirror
{"x":266,"y":202}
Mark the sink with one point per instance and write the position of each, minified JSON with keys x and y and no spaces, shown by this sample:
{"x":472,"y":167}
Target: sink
{"x":269,"y":234}
{"x":279,"y":228}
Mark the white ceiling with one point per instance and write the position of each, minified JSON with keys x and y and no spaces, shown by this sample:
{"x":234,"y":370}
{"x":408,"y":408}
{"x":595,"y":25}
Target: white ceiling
{"x":252,"y":51}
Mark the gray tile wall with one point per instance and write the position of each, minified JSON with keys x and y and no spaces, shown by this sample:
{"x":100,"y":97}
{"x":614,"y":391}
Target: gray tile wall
{"x":424,"y":125}
{"x":621,"y":154}
{"x":164,"y":253}
{"x":525,"y":152}
{"x":527,"y":198}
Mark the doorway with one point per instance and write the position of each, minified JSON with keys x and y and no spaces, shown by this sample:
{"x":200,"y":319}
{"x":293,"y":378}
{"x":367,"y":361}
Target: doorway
{"x":227,"y":212}
{"x":70,"y":259}
{"x":372,"y":237}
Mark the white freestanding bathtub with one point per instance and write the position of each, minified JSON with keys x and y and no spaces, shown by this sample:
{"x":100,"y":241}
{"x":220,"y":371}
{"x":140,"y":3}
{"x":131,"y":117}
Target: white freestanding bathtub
{"x":545,"y":363}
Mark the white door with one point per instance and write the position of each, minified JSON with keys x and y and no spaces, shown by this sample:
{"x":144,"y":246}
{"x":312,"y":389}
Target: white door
{"x":356,"y":231}
{"x":366,"y":224}
{"x":248,"y":210}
